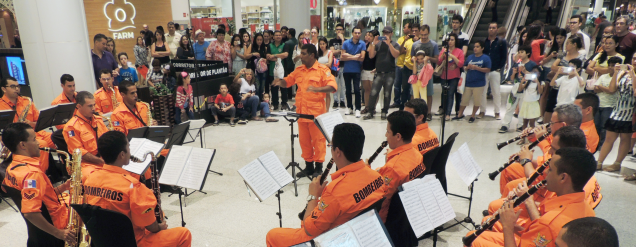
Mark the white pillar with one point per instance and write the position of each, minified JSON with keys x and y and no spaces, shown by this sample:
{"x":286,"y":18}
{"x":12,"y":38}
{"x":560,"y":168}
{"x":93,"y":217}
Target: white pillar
{"x":56,"y":43}
{"x":238,"y":20}
{"x":598,"y":6}
{"x":430,"y":16}
{"x":295,"y":14}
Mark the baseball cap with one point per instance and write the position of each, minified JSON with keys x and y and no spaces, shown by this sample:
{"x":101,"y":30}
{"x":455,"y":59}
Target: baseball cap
{"x":387,"y":29}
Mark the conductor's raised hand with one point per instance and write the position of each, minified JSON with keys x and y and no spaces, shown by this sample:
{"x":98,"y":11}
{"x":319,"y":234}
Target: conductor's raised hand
{"x":315,"y":188}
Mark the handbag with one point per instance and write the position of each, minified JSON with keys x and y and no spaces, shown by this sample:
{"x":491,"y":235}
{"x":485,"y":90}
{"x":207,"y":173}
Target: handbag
{"x":412,"y":79}
{"x":335,"y":65}
{"x":440,"y":68}
{"x":589,"y":84}
{"x":261,"y":65}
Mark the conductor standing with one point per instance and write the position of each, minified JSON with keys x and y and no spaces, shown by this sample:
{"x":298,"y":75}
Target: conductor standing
{"x":314,"y":81}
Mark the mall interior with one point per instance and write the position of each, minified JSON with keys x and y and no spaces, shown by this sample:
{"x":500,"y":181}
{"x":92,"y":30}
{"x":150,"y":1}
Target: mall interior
{"x":196,"y":84}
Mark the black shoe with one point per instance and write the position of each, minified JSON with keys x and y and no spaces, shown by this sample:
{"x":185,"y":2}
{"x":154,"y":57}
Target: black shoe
{"x":394,"y":105}
{"x":471,"y":120}
{"x":368,"y":116}
{"x":429,"y":117}
{"x":503,"y":129}
{"x":293,"y":108}
{"x":343,"y":105}
{"x":275,"y":108}
{"x":308,"y":171}
{"x":335,"y":104}
{"x":383,"y":116}
{"x":318,"y":169}
{"x":284,"y":107}
{"x":216,"y":123}
{"x":457,"y":118}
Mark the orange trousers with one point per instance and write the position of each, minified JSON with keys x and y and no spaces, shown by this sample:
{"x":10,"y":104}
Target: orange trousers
{"x":178,"y":236}
{"x":512,"y":172}
{"x":489,"y":239}
{"x":312,"y":142}
{"x":44,"y":138}
{"x":286,"y":237}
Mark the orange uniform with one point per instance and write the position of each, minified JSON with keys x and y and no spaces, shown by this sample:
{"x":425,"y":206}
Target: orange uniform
{"x":555,"y":212}
{"x":424,"y":139}
{"x":62,"y":99}
{"x":124,"y":119}
{"x":32,"y":115}
{"x":113,"y":188}
{"x":591,"y":136}
{"x":26,"y":175}
{"x":312,"y":141}
{"x":352,"y":189}
{"x":104,"y":99}
{"x":403,"y":164}
{"x":83,"y":133}
{"x":516,"y":171}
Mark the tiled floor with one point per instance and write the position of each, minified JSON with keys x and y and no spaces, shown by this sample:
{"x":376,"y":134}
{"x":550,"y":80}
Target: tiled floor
{"x":228,"y":216}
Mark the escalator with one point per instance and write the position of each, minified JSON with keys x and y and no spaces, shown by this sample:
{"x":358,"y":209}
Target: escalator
{"x":481,"y":32}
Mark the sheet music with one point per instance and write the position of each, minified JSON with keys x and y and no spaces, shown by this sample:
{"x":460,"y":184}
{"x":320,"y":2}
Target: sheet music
{"x":427,"y":197}
{"x":465,"y":165}
{"x":196,"y":167}
{"x":415,"y":212}
{"x":174,"y":165}
{"x":442,"y":200}
{"x":141,"y":147}
{"x":259,"y":180}
{"x":368,"y":230}
{"x":328,"y":122}
{"x":275,"y":168}
{"x":341,"y":236}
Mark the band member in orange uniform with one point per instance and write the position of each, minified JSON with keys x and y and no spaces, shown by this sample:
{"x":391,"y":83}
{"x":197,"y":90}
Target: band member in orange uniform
{"x":26,"y":175}
{"x":335,"y":203}
{"x":403,"y":162}
{"x":425,"y":138}
{"x":68,"y":94}
{"x":104,"y":95}
{"x":131,"y":114}
{"x":314,"y":82}
{"x":569,"y":171}
{"x":82,"y":132}
{"x":128,"y":196}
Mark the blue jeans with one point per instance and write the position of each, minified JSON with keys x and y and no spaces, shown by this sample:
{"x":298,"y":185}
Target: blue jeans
{"x":405,"y":96}
{"x":262,"y":81}
{"x":602,"y":115}
{"x":254,"y":105}
{"x":452,"y":90}
{"x":339,"y":95}
{"x":355,"y":79}
{"x":177,"y":114}
{"x":397,"y":86}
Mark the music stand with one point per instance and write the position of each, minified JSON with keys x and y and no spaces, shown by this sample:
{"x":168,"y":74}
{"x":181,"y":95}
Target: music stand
{"x":137,"y":133}
{"x":143,"y":93}
{"x":158,"y":133}
{"x":293,"y":164}
{"x":178,"y":135}
{"x":6,"y":117}
{"x":55,"y":115}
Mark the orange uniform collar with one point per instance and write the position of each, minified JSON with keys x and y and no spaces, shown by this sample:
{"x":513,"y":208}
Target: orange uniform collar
{"x":350,"y":168}
{"x":399,"y":150}
{"x":114,"y":169}
{"x":26,"y":159}
{"x":558,"y":202}
{"x":421,"y":127}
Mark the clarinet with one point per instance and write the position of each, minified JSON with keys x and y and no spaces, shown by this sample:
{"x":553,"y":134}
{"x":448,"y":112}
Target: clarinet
{"x":539,"y":171}
{"x":514,"y":158}
{"x":519,"y":137}
{"x":323,"y":177}
{"x":377,"y":152}
{"x":468,"y":240}
{"x":154,"y":181}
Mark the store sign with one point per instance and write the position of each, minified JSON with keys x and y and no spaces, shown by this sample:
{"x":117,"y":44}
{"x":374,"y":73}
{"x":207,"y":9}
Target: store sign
{"x":210,"y":72}
{"x":121,"y":16}
{"x":313,"y":4}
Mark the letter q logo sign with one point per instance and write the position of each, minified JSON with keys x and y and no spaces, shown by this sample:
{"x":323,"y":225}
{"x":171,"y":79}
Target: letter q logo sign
{"x":120,"y":15}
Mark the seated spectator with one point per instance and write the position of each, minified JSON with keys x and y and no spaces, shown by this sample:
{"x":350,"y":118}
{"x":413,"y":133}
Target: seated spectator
{"x":245,"y":78}
{"x":125,"y":72}
{"x":223,"y":105}
{"x":184,"y":97}
{"x":184,"y":51}
{"x":241,"y":111}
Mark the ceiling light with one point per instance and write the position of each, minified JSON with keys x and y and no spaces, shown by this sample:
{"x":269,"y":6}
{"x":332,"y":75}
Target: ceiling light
{"x":376,"y":1}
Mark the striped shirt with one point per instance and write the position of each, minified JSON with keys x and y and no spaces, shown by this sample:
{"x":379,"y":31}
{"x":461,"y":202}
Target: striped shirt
{"x":624,"y":108}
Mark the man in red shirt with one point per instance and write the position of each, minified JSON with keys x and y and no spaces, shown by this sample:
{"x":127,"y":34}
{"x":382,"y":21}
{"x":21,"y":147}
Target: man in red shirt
{"x":223,"y":105}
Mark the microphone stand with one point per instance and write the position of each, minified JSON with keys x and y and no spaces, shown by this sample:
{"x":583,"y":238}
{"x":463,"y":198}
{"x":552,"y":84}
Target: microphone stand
{"x":445,"y":87}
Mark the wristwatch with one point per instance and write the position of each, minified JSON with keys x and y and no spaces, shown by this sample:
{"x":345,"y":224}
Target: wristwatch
{"x":524,"y":161}
{"x":312,"y":197}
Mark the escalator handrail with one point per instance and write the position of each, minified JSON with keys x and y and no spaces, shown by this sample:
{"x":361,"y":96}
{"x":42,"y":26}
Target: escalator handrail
{"x":473,"y":15}
{"x":511,"y":20}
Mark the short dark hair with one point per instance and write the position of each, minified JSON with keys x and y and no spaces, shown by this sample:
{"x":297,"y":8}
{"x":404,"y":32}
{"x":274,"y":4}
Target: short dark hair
{"x":123,"y":54}
{"x":614,"y":60}
{"x":425,"y":27}
{"x":415,"y":26}
{"x":409,"y":25}
{"x":99,"y":37}
{"x":311,"y":49}
{"x":349,"y":138}
{"x":578,"y":163}
{"x":105,"y":72}
{"x":65,"y":78}
{"x":111,"y":144}
{"x":577,"y":63}
{"x":590,"y":232}
{"x":589,"y":100}
{"x":15,"y":133}
{"x":5,"y":81}
{"x":354,"y":29}
{"x":124,"y":85}
{"x":527,"y":49}
{"x":220,"y":31}
{"x":284,"y":28}
{"x":339,"y":25}
{"x":458,"y":18}
{"x":82,"y":96}
{"x":579,"y":17}
{"x":170,"y":23}
{"x":278,"y":31}
{"x":374,"y":33}
{"x":403,"y":123}
{"x":292,"y":32}
{"x":572,"y":137}
{"x":419,"y":107}
{"x":493,"y":22}
{"x":576,"y":40}
{"x":481,"y":43}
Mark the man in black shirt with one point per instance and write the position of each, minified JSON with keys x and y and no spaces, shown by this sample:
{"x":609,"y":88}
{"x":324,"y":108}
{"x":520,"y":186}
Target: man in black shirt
{"x":288,"y":62}
{"x":385,"y":52}
{"x":335,"y":45}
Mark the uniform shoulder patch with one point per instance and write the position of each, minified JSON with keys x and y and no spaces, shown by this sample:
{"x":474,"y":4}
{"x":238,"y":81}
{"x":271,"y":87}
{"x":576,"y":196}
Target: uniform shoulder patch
{"x":387,"y":180}
{"x":71,"y":133}
{"x":29,"y":196}
{"x":322,"y":206}
{"x":29,"y":184}
{"x":116,"y":123}
{"x":541,"y":241}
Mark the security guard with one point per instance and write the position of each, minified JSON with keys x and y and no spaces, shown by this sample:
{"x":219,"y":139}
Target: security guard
{"x":128,"y":196}
{"x":354,"y":187}
{"x":26,"y":175}
{"x":68,"y":94}
{"x":82,"y":132}
{"x":314,"y":82}
{"x":104,"y":95}
{"x":569,"y":171}
{"x":403,"y":162}
{"x":425,"y":138}
{"x":131,"y":114}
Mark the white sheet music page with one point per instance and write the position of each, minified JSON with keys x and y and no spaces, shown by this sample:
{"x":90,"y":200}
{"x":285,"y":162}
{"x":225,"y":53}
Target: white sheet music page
{"x":341,"y":236}
{"x":140,"y":147}
{"x":427,"y":197}
{"x":276,"y":168}
{"x":328,"y":122}
{"x":442,"y":199}
{"x":195,"y":169}
{"x":415,"y":212}
{"x":465,"y":164}
{"x":259,"y":180}
{"x":174,"y":165}
{"x":368,"y":230}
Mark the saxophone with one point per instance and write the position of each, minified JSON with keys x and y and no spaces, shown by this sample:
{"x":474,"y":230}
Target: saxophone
{"x":110,"y":124}
{"x":149,"y":114}
{"x":113,"y":97}
{"x":154,"y":181}
{"x":25,"y":112}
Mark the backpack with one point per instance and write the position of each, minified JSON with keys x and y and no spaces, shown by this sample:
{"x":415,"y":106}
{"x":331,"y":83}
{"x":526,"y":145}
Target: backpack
{"x":261,"y":65}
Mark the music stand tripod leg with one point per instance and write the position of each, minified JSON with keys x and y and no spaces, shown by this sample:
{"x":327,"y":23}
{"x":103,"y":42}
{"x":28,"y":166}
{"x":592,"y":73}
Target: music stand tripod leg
{"x":210,"y":170}
{"x":293,"y":163}
{"x":181,"y":207}
{"x":5,"y":200}
{"x":280,"y":215}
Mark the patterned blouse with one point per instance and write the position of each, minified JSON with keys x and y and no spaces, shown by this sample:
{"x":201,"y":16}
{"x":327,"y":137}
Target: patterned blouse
{"x":624,"y":108}
{"x":141,"y":55}
{"x":220,"y":52}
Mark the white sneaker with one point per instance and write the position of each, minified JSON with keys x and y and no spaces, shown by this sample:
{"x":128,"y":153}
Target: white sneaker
{"x":358,"y":114}
{"x":347,"y":111}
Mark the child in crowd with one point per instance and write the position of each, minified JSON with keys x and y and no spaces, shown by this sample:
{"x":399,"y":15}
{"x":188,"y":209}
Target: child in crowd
{"x":125,"y":72}
{"x":419,"y":91}
{"x":155,"y":75}
{"x":266,"y":100}
{"x":568,"y":85}
{"x":223,"y":105}
{"x":607,"y":99}
{"x":516,"y":98}
{"x":531,"y":88}
{"x":184,"y":97}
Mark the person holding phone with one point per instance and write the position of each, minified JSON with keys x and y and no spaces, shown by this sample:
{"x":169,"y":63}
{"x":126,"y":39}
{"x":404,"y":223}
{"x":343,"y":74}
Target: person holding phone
{"x":238,"y":54}
{"x":568,"y":85}
{"x":531,"y":88}
{"x":599,"y":62}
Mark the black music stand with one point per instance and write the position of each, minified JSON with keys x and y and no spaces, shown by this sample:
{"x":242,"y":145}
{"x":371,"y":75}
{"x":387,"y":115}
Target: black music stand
{"x":55,"y":115}
{"x":6,"y":117}
{"x":292,"y":117}
{"x":153,"y":133}
{"x":143,"y":93}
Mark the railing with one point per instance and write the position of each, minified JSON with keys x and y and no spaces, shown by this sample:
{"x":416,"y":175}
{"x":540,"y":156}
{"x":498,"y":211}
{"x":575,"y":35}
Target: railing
{"x":472,"y":17}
